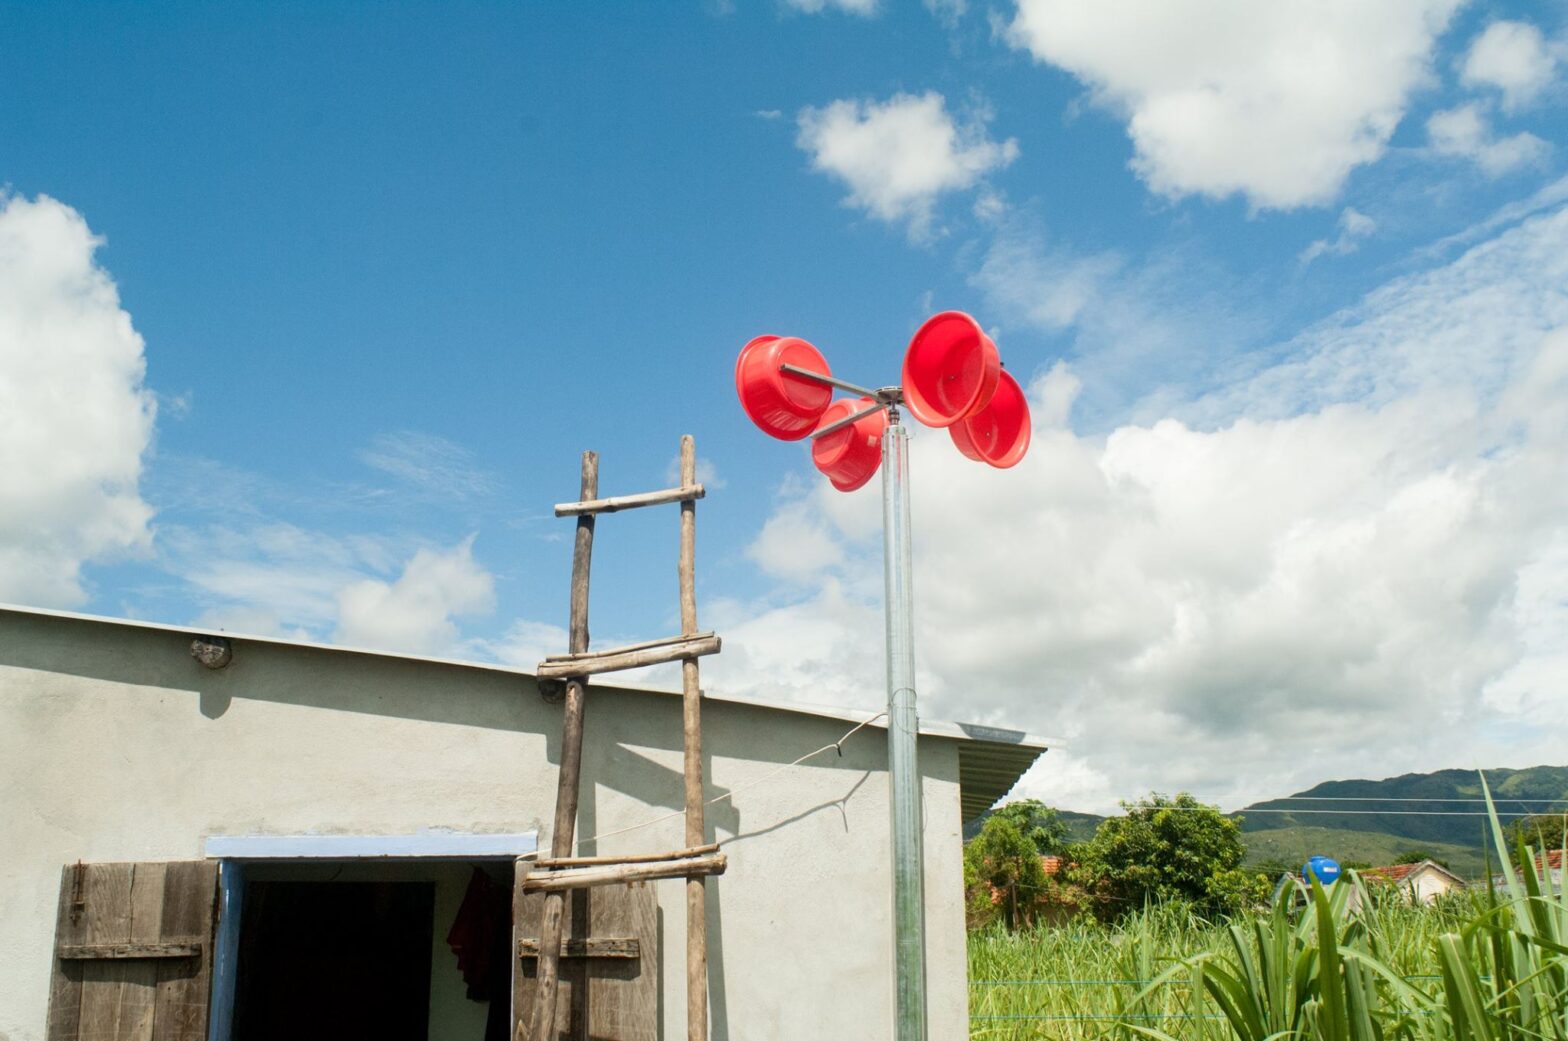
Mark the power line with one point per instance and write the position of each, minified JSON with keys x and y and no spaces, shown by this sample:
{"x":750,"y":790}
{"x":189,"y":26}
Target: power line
{"x":1397,"y":798}
{"x":1338,"y":813}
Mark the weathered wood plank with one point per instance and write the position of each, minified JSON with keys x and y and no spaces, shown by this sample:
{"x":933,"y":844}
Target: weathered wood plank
{"x":107,"y":913}
{"x":615,"y":661}
{"x":625,"y":858}
{"x":683,"y":495}
{"x":621,"y":1002}
{"x":612,"y":874}
{"x":592,"y":947}
{"x":550,"y":929}
{"x":139,"y":992}
{"x":104,"y":951}
{"x":133,"y":951}
{"x":691,"y":737}
{"x":65,"y":983}
{"x":190,"y":896}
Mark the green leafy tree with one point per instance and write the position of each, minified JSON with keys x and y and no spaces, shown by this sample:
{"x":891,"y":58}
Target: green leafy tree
{"x":1002,"y":866}
{"x":1539,"y":831}
{"x":1163,"y":849}
{"x":1038,"y":823}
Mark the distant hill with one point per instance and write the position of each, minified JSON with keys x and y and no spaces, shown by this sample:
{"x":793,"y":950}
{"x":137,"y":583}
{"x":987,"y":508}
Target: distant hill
{"x":1448,"y":790}
{"x":1375,"y":821}
{"x":1296,"y":845}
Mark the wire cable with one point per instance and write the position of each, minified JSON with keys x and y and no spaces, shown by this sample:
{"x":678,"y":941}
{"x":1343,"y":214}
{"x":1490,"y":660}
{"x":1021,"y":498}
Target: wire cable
{"x":835,"y":745}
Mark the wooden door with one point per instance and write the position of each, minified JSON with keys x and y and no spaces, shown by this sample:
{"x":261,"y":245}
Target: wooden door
{"x":133,"y":952}
{"x":609,"y":989}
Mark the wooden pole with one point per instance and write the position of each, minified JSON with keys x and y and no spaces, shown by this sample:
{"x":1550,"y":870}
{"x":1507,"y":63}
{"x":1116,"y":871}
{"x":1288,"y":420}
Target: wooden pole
{"x":550,"y":928}
{"x":696,"y":831}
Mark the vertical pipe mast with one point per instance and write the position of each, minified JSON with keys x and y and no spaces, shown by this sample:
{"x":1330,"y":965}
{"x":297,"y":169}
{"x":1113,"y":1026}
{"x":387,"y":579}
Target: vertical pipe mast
{"x":903,"y":727}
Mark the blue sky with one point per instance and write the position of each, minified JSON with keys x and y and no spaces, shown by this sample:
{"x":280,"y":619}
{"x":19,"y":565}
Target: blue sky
{"x":1273,"y":276}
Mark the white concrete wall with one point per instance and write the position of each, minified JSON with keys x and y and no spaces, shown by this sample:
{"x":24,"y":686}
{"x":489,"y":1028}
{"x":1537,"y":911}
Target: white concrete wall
{"x":115,"y":745}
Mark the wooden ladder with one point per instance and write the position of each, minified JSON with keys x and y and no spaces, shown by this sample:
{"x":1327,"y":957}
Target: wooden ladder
{"x":561,"y":871}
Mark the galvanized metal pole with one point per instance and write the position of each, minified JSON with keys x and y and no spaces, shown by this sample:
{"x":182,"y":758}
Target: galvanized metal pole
{"x":903,"y":728}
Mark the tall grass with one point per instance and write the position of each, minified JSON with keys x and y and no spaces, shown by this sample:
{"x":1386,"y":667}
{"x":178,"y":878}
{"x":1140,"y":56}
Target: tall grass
{"x":1491,"y":965}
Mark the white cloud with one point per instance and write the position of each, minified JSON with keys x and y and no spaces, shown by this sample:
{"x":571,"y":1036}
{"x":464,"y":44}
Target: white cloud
{"x":75,"y":417}
{"x":863,"y":8}
{"x":249,"y":573}
{"x":1514,"y":58}
{"x":1347,"y":564}
{"x":430,"y":463}
{"x":1043,"y":287}
{"x":707,"y":473}
{"x":1353,"y":227}
{"x":273,"y":578}
{"x":796,"y":543}
{"x":1162,"y":319}
{"x":1275,"y":101}
{"x":948,"y":12}
{"x":524,"y":644}
{"x":1464,"y":132}
{"x":899,"y":155}
{"x":414,"y":613}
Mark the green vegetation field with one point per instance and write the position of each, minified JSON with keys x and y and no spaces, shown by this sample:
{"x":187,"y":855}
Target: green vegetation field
{"x":1079,"y":977}
{"x":1480,"y":967}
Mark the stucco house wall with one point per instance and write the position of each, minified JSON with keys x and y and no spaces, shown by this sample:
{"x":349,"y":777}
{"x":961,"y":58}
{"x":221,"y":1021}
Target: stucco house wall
{"x":115,"y":745}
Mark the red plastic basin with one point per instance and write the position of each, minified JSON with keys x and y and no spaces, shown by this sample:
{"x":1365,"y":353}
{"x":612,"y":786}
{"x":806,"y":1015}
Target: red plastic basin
{"x":851,"y":454}
{"x":783,"y":405}
{"x":950,"y":369}
{"x":999,"y":433}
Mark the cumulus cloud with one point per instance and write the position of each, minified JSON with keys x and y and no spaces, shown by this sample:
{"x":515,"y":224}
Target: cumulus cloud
{"x":75,"y":417}
{"x":1353,"y":227}
{"x":1350,"y":561}
{"x":1512,"y":57}
{"x":270,"y":576}
{"x":1277,"y":102}
{"x":1465,"y":133}
{"x":414,"y":614}
{"x":898,"y":156}
{"x":273,"y":578}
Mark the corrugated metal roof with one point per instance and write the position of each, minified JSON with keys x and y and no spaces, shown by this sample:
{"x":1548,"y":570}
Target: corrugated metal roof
{"x":990,"y":759}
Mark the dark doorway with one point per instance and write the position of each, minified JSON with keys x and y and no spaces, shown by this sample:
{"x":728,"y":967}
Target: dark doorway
{"x":334,"y":961}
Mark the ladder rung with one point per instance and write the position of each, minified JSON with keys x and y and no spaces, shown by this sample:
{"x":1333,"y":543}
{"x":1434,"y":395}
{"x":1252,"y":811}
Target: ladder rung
{"x":628,"y":858}
{"x":629,"y":502}
{"x":619,"y":658}
{"x":614,"y":874}
{"x":660,"y":642}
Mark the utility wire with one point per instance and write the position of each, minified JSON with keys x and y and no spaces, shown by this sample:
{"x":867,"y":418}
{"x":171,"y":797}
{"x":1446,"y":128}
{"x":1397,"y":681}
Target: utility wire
{"x":836,"y":745}
{"x":1396,"y":798}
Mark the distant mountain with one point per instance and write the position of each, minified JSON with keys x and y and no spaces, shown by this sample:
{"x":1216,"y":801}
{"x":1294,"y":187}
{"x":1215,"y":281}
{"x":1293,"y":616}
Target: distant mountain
{"x":1422,"y":808}
{"x":1375,"y":821}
